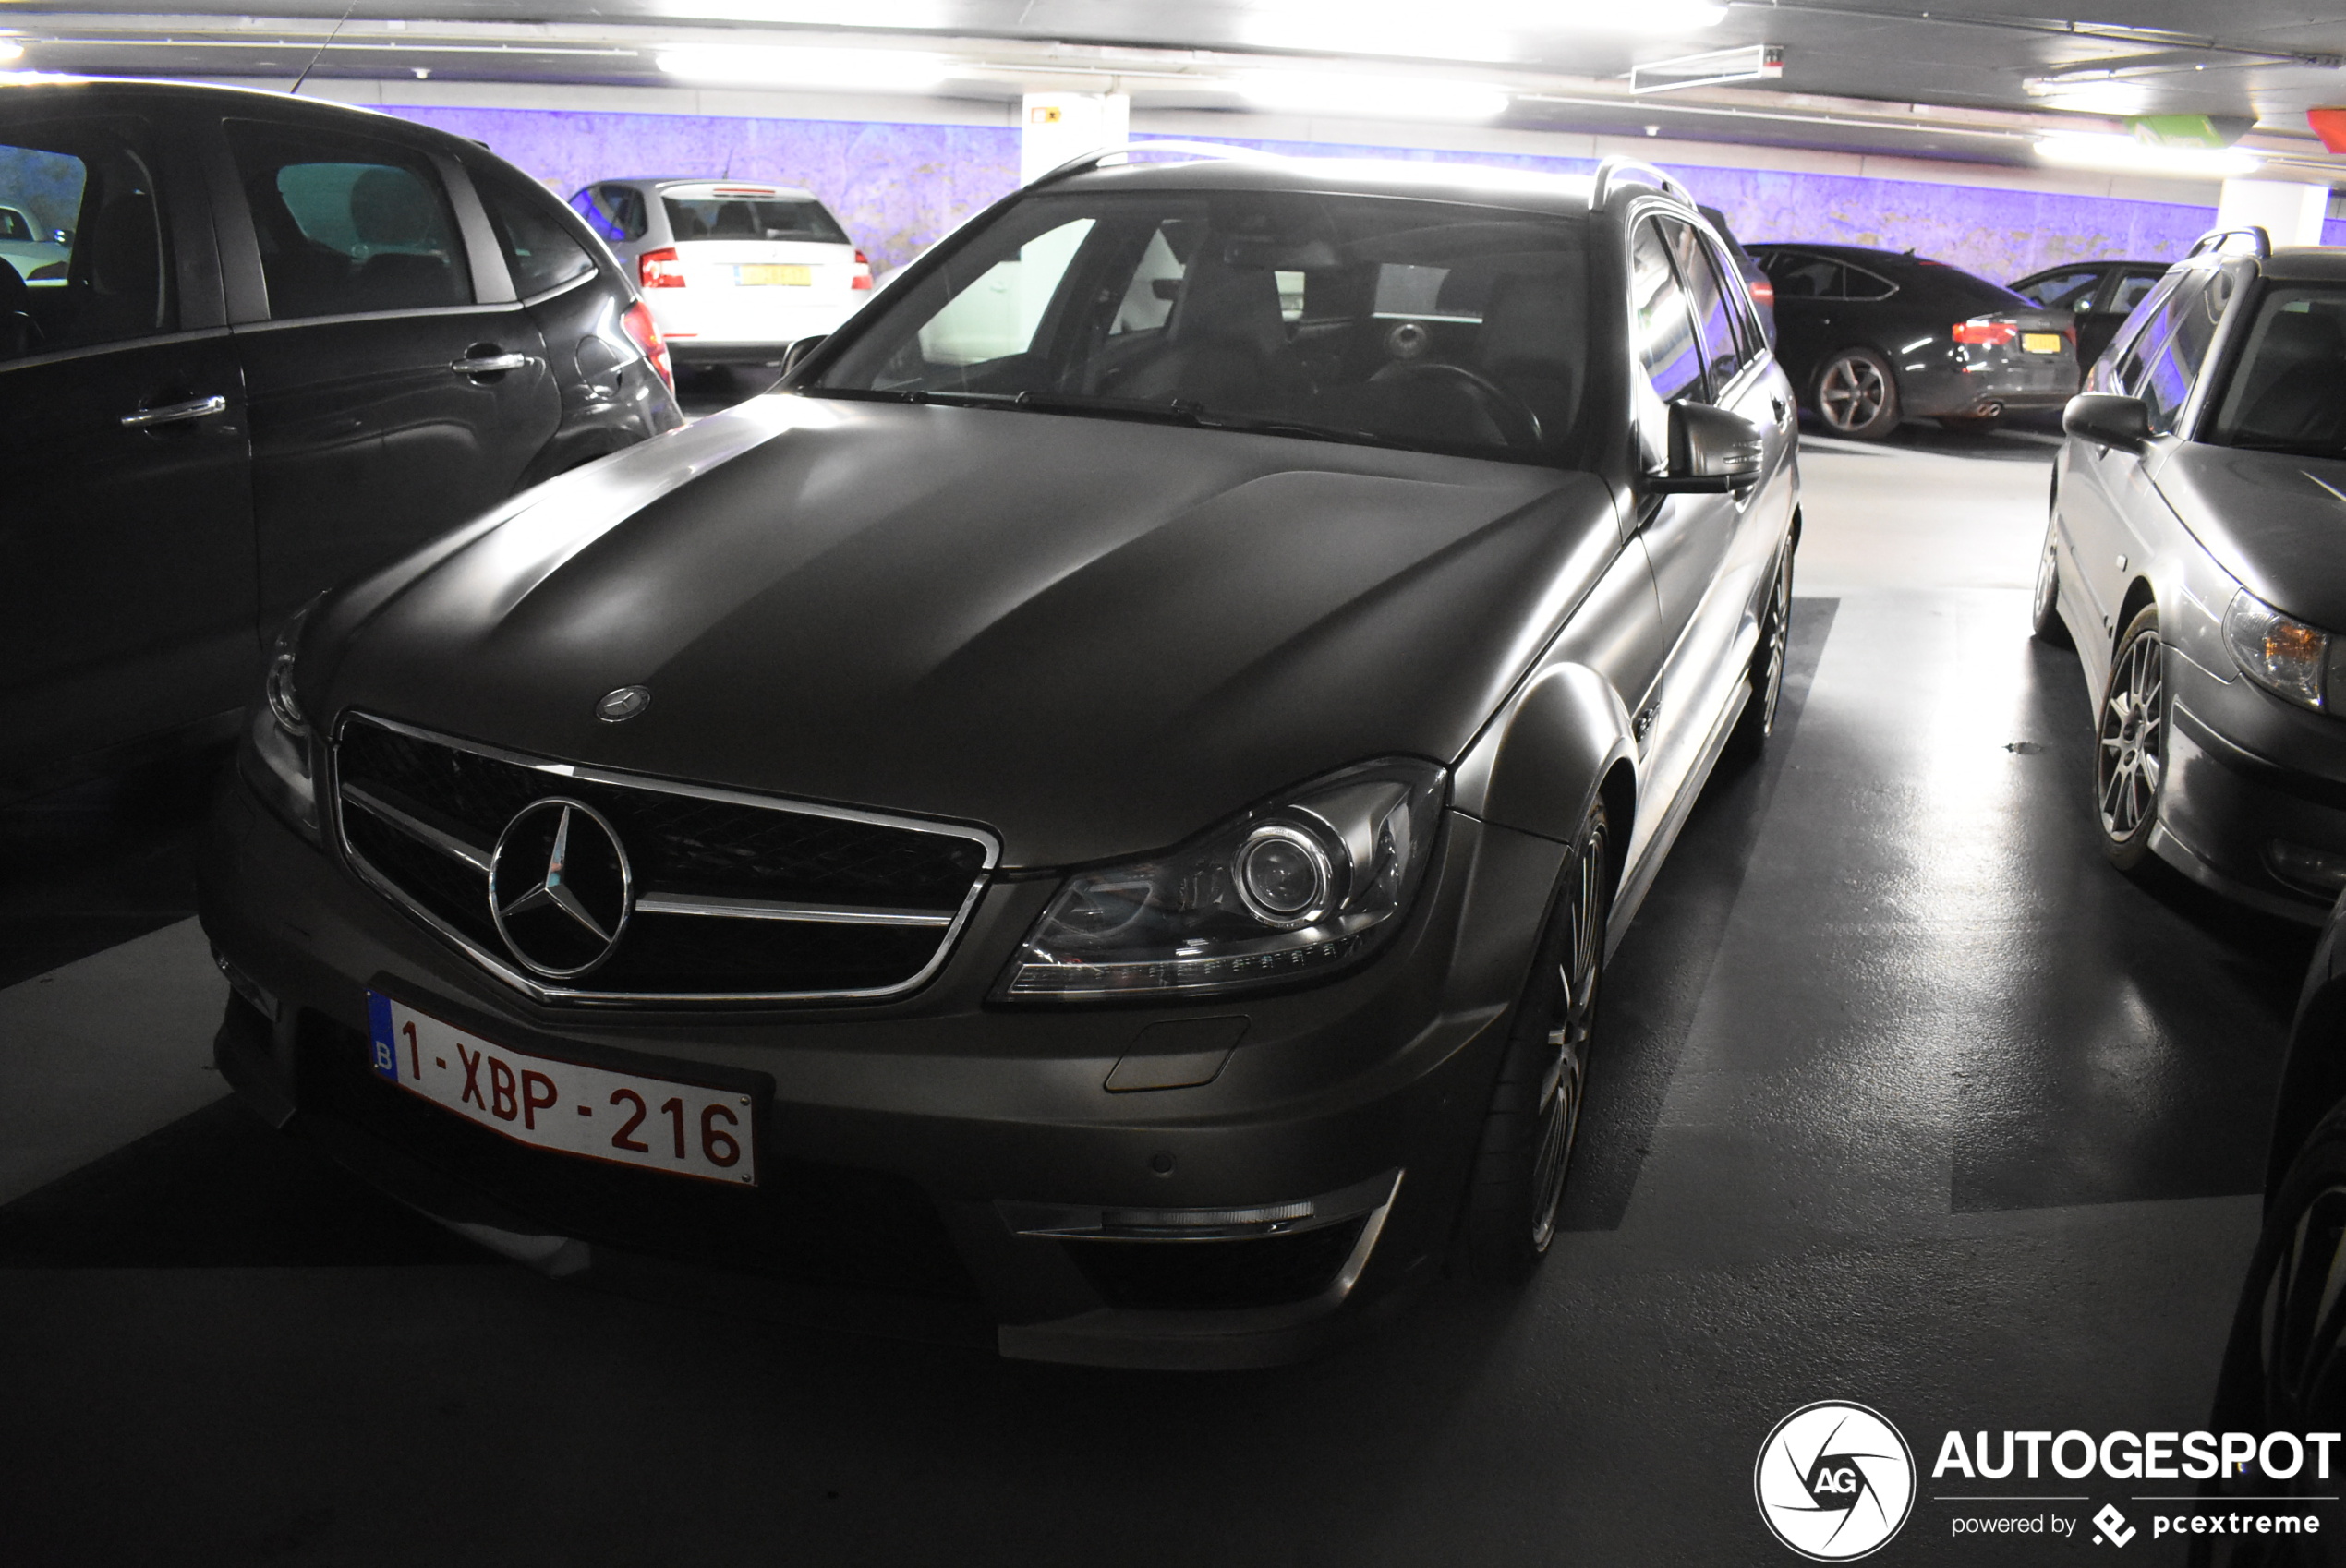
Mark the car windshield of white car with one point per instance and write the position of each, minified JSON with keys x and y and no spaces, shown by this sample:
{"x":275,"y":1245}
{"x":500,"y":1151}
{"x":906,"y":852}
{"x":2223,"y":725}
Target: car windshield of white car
{"x":2289,"y":394}
{"x":1437,"y":326}
{"x":723,"y":214}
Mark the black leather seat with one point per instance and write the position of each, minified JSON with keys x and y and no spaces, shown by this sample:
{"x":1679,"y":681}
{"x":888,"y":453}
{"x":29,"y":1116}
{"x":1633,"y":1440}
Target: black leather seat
{"x":1532,"y":342}
{"x":1225,"y":345}
{"x":2298,"y":397}
{"x":395,"y":217}
{"x":18,"y":333}
{"x":126,"y":271}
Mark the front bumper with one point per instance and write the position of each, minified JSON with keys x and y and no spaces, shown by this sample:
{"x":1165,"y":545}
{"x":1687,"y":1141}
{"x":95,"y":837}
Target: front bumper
{"x":2254,"y":795}
{"x":940,"y":1166}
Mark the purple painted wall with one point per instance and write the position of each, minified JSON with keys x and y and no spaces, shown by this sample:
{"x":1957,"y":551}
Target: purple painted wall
{"x":897,"y":187}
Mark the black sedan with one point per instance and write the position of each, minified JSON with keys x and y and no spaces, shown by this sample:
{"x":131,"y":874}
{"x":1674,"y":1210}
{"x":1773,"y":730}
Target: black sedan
{"x":2192,"y":556}
{"x":1102,"y":807}
{"x":1875,"y":337}
{"x":286,"y":341}
{"x":2101,"y":294}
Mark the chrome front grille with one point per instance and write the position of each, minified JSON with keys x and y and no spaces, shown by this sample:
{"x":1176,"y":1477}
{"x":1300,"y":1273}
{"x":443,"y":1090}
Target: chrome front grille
{"x":733,"y":897}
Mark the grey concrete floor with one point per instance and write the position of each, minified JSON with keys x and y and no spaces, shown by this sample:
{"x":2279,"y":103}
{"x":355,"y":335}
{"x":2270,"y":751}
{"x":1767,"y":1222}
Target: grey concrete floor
{"x":1902,"y":1097}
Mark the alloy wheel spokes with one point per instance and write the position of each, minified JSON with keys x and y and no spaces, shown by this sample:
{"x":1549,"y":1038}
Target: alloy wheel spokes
{"x":2131,"y":762}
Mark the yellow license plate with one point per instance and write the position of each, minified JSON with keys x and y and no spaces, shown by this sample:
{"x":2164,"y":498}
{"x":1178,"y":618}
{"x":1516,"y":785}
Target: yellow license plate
{"x":2041,"y":342}
{"x":768,"y":273}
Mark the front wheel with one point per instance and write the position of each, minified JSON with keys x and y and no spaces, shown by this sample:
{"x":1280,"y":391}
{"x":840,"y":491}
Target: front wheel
{"x":2282,"y":1369}
{"x":1535,"y":1108}
{"x":1858,"y":395}
{"x":2131,"y":757}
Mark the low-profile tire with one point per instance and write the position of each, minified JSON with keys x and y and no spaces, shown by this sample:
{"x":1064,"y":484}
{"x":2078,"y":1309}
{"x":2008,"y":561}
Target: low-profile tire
{"x":2130,"y":735}
{"x":2283,"y":1369}
{"x":2045,"y":624}
{"x":1857,"y":395}
{"x":1757,"y":720}
{"x":1528,"y":1134}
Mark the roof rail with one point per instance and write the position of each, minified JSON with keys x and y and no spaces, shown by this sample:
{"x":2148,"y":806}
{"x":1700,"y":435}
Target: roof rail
{"x":1630,"y":171}
{"x":1098,"y":156}
{"x":2258,"y":241}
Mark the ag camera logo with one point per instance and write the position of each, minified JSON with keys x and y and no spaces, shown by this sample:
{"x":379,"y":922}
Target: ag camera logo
{"x":1836,"y":1481}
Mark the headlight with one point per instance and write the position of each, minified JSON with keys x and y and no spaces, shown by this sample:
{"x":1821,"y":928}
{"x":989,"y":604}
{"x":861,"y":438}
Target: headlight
{"x":1299,"y":889}
{"x":275,"y":759}
{"x":2287,"y":657}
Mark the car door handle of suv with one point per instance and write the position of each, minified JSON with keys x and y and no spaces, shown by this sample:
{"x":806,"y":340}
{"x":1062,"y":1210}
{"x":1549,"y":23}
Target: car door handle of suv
{"x":173,"y":413}
{"x":487,"y":364}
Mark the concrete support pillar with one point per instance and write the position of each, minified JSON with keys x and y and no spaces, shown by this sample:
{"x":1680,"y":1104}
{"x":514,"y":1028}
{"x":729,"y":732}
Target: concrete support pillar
{"x":1059,"y":125}
{"x":2292,"y":213}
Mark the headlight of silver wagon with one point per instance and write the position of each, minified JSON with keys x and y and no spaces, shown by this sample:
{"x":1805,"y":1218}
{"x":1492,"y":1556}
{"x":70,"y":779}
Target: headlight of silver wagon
{"x":276,"y":754}
{"x":1301,"y":887}
{"x":2287,"y":657}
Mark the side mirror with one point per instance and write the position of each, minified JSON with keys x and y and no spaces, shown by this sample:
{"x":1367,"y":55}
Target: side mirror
{"x":797,"y":355}
{"x":2122,"y":422}
{"x":1712,"y":452}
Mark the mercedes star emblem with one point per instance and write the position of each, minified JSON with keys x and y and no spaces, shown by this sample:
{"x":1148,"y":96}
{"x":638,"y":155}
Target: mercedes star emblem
{"x":617,"y":707}
{"x":560,"y":888}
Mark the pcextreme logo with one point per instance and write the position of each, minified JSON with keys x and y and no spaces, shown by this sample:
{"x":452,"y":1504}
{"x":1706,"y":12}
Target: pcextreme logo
{"x":1836,"y":1481}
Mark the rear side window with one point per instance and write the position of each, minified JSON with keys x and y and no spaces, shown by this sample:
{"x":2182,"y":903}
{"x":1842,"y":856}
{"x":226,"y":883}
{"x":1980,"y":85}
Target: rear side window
{"x":714,"y":214}
{"x":539,"y":250}
{"x":1667,"y":348}
{"x":1859,"y":284}
{"x":347,"y":224}
{"x":1798,"y":275}
{"x":2131,"y":290}
{"x":84,"y":257}
{"x":614,"y":211}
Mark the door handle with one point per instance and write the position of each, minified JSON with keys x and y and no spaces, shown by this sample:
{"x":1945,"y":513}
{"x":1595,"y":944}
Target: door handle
{"x":487,"y":364}
{"x":173,"y":413}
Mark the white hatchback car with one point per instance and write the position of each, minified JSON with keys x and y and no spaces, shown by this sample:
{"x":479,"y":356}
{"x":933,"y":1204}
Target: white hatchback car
{"x":734,"y":271}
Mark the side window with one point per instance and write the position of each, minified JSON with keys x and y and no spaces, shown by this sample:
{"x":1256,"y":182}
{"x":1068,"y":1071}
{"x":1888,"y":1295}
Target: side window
{"x":1714,"y":314}
{"x":541,"y":253}
{"x":2165,"y":360}
{"x":1859,"y":284}
{"x":2070,"y":290}
{"x":614,"y":211}
{"x":1667,"y":349}
{"x":84,"y":254}
{"x":1798,"y":275}
{"x":346,"y":223}
{"x":998,"y":314}
{"x":2118,"y":362}
{"x":2131,"y":290}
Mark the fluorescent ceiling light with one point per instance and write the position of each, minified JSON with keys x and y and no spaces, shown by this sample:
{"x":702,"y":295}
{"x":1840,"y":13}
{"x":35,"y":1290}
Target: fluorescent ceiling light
{"x":1475,"y":29}
{"x":900,"y":70}
{"x":2123,"y":154}
{"x":1408,"y":97}
{"x":11,"y":51}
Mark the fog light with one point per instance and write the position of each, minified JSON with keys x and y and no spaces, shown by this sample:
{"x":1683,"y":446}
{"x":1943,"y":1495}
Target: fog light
{"x":2301,"y":865}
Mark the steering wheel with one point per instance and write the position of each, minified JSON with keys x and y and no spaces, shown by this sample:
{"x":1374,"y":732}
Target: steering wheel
{"x":1511,"y":413}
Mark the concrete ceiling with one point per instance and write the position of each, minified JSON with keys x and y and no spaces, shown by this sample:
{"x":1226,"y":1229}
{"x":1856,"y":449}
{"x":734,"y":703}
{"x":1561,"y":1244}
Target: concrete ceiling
{"x":1941,"y":78}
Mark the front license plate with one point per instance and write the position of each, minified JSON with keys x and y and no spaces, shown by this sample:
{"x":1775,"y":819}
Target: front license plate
{"x":768,"y":273}
{"x":626,"y":1118}
{"x":2041,"y":342}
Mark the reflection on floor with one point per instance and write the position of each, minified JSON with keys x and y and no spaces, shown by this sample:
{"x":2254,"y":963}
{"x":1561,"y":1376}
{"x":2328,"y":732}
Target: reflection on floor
{"x":1903,"y":1096}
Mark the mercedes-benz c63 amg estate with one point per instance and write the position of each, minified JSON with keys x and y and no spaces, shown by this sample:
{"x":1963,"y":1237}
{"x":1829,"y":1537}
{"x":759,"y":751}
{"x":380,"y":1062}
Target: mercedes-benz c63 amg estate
{"x":1100,"y":807}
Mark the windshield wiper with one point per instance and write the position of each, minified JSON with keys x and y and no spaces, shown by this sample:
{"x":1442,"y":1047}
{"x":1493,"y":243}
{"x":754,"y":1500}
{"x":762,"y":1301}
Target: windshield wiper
{"x":1178,"y":411}
{"x":1207,"y":419}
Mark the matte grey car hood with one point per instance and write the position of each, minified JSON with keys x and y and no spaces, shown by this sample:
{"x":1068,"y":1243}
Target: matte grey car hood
{"x":2276,"y":523}
{"x":1096,"y":637}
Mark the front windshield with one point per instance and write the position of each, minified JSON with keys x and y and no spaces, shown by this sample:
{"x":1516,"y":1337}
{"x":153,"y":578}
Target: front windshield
{"x":1424,"y":324}
{"x":2289,"y":394}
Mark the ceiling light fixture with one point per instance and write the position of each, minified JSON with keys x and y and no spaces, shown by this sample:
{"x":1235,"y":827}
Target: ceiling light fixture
{"x":1488,"y":30}
{"x":2123,"y":154}
{"x":11,"y":51}
{"x":891,"y":70}
{"x":1413,"y":98}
